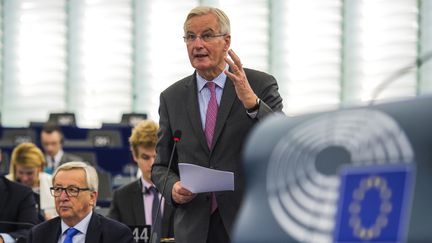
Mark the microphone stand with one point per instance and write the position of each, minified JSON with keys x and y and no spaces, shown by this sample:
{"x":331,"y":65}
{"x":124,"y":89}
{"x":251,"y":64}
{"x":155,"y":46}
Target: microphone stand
{"x":389,"y":80}
{"x":176,"y":138}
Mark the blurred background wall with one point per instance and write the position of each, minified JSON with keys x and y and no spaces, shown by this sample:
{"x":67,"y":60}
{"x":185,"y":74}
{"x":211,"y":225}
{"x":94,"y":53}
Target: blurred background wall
{"x":102,"y":58}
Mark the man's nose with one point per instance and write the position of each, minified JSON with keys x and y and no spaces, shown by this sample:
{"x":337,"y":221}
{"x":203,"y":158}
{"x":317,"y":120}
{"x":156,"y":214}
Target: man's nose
{"x":63,"y":195}
{"x":198,"y":41}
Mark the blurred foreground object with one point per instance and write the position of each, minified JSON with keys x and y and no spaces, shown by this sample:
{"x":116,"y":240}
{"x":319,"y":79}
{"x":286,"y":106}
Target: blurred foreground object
{"x":294,"y":165}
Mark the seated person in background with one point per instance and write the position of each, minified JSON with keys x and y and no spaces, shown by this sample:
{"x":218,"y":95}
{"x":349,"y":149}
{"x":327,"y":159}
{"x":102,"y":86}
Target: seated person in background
{"x":132,"y":204}
{"x":17,"y":211}
{"x":27,"y":167}
{"x":51,"y":140}
{"x":75,"y":190}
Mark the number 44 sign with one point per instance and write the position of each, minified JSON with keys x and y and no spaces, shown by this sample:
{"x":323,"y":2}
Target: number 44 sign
{"x":141,"y":233}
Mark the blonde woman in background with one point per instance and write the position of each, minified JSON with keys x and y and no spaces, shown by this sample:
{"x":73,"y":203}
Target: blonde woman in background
{"x":27,"y":167}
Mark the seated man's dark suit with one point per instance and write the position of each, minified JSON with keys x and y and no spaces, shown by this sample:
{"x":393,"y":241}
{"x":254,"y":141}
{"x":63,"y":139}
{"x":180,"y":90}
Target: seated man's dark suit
{"x":127,"y":207}
{"x":17,"y":204}
{"x":67,"y":157}
{"x":100,"y":229}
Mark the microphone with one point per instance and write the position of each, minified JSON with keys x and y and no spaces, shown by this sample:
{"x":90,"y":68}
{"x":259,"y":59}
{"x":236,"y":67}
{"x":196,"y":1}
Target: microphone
{"x":389,"y":80}
{"x":176,"y":138}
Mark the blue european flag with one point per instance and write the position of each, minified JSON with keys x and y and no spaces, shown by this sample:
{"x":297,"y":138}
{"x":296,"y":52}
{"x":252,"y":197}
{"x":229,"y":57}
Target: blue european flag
{"x":374,"y":203}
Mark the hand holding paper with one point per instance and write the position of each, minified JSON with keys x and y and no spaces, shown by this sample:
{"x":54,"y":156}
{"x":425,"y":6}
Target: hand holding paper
{"x":201,"y":179}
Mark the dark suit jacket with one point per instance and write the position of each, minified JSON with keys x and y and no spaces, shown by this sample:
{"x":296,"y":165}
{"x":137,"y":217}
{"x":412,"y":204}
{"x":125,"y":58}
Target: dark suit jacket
{"x":17,"y":204}
{"x":179,"y":110}
{"x":67,"y":157}
{"x":127,"y":207}
{"x":100,"y":229}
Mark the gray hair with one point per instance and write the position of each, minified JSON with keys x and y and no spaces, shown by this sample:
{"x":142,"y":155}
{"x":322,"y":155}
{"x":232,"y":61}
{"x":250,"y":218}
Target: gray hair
{"x":91,"y":174}
{"x":222,"y":18}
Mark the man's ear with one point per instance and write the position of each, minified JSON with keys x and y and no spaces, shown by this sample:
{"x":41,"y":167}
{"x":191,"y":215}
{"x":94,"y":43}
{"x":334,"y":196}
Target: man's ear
{"x":227,"y":39}
{"x":93,"y":198}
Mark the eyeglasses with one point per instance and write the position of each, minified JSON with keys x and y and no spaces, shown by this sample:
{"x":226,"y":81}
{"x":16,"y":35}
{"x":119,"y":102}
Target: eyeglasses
{"x":71,"y":191}
{"x":189,"y":38}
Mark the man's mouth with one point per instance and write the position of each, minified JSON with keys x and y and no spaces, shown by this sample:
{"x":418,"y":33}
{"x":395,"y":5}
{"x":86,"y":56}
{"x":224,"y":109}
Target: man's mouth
{"x":200,"y":55}
{"x":64,"y":207}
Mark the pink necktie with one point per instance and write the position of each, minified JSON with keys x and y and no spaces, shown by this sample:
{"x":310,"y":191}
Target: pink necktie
{"x":210,"y":124}
{"x":211,"y":115}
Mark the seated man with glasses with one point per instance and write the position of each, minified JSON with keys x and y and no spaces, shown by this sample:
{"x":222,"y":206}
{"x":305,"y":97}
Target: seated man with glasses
{"x":75,"y":190}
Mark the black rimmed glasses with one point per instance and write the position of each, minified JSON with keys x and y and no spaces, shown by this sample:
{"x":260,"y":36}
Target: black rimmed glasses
{"x":207,"y":37}
{"x":71,"y":191}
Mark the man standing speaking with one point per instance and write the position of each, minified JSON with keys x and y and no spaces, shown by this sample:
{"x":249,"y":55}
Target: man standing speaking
{"x":215,"y":108}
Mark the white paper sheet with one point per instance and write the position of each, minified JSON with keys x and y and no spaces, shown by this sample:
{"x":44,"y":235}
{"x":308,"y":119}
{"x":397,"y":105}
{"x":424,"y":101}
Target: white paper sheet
{"x":201,"y":179}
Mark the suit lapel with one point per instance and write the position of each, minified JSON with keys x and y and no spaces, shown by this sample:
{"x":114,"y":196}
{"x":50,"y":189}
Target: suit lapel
{"x":94,"y":230}
{"x":227,"y":100}
{"x":138,"y":204}
{"x":55,"y":235}
{"x":193,"y":110}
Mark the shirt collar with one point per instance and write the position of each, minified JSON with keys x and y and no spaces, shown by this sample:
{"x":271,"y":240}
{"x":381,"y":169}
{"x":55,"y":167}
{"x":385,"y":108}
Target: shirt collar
{"x":57,"y":157}
{"x":145,"y":184}
{"x":82,"y":226}
{"x":219,"y":80}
